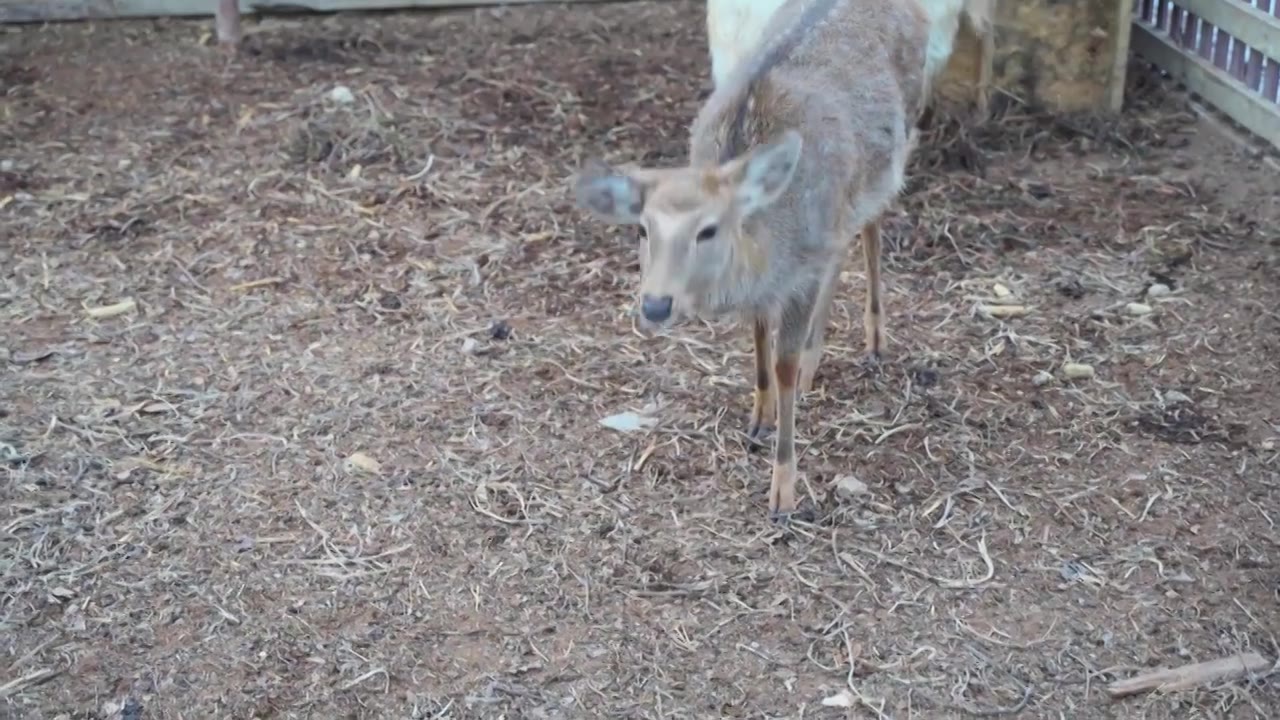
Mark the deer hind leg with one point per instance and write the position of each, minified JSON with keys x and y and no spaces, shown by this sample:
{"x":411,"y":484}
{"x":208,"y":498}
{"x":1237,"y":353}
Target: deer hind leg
{"x":792,"y":334}
{"x":873,"y":316}
{"x":764,"y":403}
{"x":811,"y":357}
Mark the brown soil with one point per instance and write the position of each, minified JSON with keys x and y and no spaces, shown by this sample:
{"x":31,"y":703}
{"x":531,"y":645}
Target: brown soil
{"x":183,"y":534}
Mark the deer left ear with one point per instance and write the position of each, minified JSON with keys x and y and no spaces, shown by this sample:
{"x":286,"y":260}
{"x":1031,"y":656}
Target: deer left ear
{"x":764,"y":173}
{"x":613,"y":196}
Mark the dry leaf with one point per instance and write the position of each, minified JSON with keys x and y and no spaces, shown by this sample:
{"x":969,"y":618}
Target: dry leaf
{"x":628,"y":422}
{"x":843,"y":699}
{"x":23,"y":358}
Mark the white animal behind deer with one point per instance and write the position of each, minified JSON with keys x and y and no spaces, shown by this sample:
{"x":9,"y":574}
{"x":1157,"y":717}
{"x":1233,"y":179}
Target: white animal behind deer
{"x":799,"y":148}
{"x":735,"y":27}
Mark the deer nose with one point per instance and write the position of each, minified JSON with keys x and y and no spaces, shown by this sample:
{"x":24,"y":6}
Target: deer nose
{"x":655,"y":309}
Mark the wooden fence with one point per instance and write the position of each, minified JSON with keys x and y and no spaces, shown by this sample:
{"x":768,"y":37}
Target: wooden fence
{"x":31,"y":11}
{"x":1225,"y":51}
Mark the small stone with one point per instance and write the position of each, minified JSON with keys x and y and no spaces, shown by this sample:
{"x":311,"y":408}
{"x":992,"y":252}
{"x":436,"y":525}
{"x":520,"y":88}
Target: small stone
{"x":1173,"y":397}
{"x":470,"y":346}
{"x":6,"y":166}
{"x":1077,"y":371}
{"x":1158,"y":290}
{"x":342,"y":95}
{"x":850,"y":486}
{"x":1042,"y":378}
{"x":1137,"y":309}
{"x":1001,"y":291}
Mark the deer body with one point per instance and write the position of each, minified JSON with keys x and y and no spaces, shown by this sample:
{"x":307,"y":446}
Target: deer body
{"x":736,"y":27}
{"x":802,"y":146}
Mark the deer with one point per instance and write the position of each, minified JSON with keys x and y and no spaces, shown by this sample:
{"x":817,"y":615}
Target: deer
{"x":803,"y":146}
{"x":735,"y":27}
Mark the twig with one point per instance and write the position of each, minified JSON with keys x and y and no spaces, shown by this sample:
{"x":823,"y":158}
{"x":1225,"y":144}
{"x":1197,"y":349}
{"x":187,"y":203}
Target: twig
{"x":32,"y":678}
{"x":940,"y":581}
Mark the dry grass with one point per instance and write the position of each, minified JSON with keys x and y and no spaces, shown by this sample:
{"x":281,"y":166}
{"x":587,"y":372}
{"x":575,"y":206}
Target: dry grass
{"x":188,"y":531}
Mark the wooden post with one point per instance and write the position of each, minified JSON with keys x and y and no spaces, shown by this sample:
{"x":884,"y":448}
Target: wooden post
{"x":228,"y":23}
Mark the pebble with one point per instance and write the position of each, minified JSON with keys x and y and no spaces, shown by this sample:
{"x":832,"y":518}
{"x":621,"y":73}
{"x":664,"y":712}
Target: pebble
{"x":342,"y":95}
{"x":849,"y":486}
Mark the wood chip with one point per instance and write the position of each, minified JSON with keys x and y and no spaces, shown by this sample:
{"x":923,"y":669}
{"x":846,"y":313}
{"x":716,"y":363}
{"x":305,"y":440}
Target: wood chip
{"x":1191,"y":676}
{"x":256,"y":283}
{"x":109,"y":311}
{"x":1077,"y":371}
{"x":360,"y":461}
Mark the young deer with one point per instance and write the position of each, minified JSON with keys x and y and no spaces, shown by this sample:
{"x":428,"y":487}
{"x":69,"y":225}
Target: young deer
{"x":805,"y":144}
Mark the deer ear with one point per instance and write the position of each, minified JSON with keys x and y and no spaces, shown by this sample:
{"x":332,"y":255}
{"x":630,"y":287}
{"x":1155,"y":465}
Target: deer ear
{"x":614,"y":196}
{"x":764,"y":173}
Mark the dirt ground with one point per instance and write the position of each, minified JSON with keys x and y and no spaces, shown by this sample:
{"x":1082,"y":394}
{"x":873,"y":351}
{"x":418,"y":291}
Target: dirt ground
{"x":342,"y":456}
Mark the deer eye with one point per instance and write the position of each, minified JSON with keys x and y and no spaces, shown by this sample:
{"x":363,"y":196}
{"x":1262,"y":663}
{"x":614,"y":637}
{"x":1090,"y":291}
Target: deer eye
{"x":707,"y":233}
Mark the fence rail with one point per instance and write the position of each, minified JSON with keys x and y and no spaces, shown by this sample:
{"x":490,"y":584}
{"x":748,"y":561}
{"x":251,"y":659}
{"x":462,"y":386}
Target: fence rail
{"x":1226,"y":51}
{"x":36,"y":11}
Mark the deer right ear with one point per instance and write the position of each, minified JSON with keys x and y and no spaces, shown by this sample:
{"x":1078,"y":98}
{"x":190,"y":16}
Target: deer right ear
{"x":609,"y":194}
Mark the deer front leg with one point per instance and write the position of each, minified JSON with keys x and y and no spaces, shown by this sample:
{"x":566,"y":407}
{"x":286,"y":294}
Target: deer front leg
{"x":764,"y":405}
{"x":791,"y":338}
{"x":873,"y":317}
{"x":812,"y":355}
{"x":986,"y":56}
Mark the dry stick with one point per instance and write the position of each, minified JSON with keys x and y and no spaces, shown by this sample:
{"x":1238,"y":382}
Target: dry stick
{"x":33,"y":678}
{"x":1190,"y":676}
